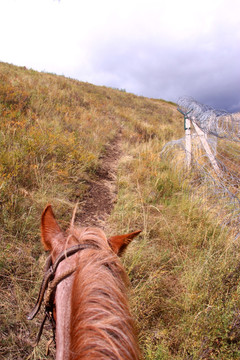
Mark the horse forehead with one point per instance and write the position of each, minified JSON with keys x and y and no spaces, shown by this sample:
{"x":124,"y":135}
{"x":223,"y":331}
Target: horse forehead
{"x":85,"y":233}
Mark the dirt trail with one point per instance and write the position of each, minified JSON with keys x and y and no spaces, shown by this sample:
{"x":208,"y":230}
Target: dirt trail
{"x":99,"y":199}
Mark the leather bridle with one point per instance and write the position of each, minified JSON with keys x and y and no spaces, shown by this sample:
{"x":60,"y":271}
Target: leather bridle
{"x":49,"y":285}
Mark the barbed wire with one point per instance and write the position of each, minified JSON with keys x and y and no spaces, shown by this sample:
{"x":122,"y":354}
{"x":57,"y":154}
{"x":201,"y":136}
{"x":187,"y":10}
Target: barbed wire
{"x":219,"y":123}
{"x":221,"y":191}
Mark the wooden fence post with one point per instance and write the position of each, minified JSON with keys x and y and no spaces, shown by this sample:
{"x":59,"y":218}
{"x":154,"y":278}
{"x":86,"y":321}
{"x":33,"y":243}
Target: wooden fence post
{"x":204,"y":142}
{"x":188,"y":142}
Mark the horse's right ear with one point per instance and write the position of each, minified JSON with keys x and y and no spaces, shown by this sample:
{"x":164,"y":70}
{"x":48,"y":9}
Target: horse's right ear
{"x":50,"y":230}
{"x":119,"y":243}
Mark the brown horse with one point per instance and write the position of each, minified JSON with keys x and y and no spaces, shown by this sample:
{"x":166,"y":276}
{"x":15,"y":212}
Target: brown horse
{"x":91,"y":310}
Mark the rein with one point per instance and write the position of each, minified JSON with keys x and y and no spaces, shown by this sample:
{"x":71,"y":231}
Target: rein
{"x":49,"y":284}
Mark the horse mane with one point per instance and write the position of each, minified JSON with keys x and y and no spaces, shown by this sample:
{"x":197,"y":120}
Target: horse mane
{"x":101,"y":323}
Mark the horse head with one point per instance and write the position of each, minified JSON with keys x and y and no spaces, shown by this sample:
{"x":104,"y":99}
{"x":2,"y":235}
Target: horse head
{"x":84,"y":288}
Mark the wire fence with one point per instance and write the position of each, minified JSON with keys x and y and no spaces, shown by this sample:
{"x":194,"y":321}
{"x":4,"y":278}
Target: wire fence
{"x":218,"y":123}
{"x":220,"y":191}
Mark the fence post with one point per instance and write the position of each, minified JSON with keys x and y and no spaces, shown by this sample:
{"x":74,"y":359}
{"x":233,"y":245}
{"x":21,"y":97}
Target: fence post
{"x":204,"y":142}
{"x":188,"y":142}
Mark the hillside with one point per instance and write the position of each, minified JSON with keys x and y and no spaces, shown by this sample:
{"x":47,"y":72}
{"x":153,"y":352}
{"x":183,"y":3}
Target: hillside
{"x":60,"y":138}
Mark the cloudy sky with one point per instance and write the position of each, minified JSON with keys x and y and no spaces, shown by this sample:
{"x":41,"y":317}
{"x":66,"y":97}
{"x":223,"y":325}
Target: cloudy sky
{"x":156,"y":48}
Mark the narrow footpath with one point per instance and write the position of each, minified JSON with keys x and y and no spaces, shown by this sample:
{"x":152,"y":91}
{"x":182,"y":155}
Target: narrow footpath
{"x":101,"y":195}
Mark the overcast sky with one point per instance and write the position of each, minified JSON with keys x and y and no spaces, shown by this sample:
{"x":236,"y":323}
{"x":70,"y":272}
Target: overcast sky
{"x":156,"y":48}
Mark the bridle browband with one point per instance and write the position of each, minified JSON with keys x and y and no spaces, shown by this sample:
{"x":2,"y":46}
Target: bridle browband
{"x":49,"y":284}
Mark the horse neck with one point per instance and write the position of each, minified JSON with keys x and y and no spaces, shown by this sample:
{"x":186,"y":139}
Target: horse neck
{"x":63,"y":304}
{"x":100,"y":324}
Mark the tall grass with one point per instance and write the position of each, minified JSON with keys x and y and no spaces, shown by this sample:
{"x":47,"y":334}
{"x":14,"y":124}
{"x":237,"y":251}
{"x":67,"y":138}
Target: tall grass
{"x":52,"y":133}
{"x":185,"y":271}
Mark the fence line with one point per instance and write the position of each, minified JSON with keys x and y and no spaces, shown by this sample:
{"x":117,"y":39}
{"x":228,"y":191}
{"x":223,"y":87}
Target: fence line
{"x":210,"y":151}
{"x":219,"y":123}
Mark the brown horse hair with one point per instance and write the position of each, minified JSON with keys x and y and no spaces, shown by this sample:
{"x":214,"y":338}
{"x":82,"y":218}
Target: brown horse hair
{"x":101,"y":324}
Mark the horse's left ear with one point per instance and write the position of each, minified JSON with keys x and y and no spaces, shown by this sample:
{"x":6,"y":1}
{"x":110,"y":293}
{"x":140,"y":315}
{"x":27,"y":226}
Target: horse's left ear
{"x":51,"y":232}
{"x":120,"y":242}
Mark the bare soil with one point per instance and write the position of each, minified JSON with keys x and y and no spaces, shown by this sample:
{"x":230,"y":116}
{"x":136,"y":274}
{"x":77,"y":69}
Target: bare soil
{"x":101,"y":195}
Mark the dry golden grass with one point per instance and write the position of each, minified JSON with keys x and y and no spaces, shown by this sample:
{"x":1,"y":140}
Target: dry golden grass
{"x":184,"y":271}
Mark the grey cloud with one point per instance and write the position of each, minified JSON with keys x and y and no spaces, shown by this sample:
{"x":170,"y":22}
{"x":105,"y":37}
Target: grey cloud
{"x":207,"y":70}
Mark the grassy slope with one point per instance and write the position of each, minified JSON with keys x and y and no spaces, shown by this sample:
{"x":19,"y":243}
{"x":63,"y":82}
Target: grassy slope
{"x":184,"y":269}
